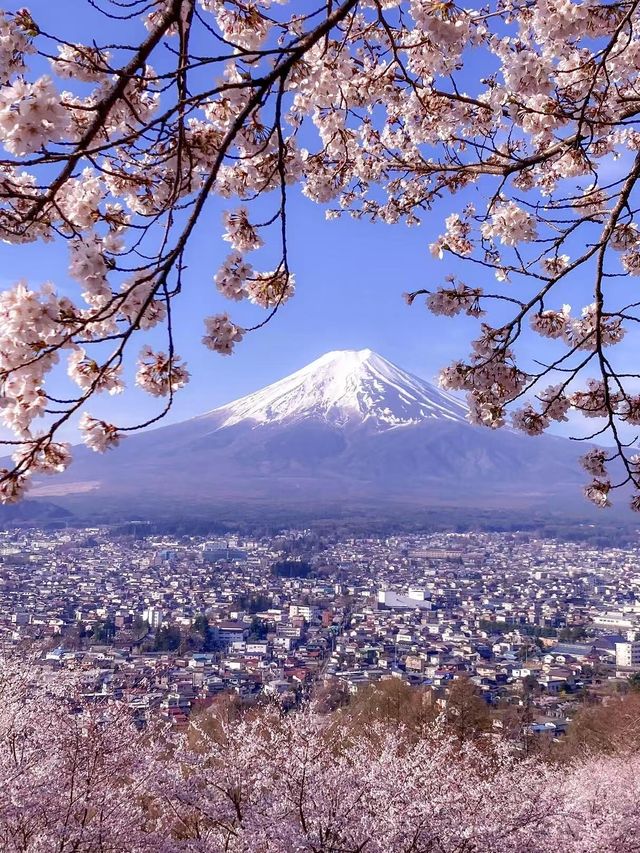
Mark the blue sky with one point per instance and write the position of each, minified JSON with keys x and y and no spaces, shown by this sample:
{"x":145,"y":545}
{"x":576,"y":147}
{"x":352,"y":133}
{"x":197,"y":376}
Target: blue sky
{"x":350,"y":279}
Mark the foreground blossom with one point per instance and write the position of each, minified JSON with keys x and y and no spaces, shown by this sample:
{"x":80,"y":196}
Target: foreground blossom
{"x":82,"y":776}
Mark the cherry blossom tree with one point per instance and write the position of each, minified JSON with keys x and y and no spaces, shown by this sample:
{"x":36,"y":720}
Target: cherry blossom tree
{"x":79,"y":776}
{"x":305,"y":783}
{"x":72,"y":775}
{"x":374,"y":109}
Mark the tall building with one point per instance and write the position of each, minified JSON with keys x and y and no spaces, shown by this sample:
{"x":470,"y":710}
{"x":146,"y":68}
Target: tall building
{"x":628,"y":654}
{"x":153,"y":616}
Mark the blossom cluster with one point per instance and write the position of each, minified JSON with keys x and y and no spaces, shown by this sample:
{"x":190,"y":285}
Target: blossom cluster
{"x":221,"y":334}
{"x":160,"y":374}
{"x":452,"y":300}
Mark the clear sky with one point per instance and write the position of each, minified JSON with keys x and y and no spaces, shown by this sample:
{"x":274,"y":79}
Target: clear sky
{"x":350,"y":279}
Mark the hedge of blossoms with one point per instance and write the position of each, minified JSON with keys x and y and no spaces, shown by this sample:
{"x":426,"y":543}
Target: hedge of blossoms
{"x":84,"y":779}
{"x":117,"y":150}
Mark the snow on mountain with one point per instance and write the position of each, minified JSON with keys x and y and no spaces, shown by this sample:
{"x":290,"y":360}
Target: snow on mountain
{"x":345,"y":387}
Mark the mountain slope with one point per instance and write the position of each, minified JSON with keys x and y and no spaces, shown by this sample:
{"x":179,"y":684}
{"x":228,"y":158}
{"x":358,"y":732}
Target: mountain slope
{"x":351,"y":428}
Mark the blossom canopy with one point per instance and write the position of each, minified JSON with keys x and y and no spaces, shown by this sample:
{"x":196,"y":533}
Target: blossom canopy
{"x":372,"y":108}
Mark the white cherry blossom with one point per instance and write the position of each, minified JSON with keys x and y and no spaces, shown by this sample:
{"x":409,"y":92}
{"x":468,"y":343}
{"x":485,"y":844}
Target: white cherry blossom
{"x":508,"y":133}
{"x":158,"y":374}
{"x":221,"y":334}
{"x":97,"y":434}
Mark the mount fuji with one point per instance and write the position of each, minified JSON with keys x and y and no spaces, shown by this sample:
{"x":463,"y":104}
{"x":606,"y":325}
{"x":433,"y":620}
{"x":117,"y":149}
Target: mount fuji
{"x":345,"y":388}
{"x":350,"y":429}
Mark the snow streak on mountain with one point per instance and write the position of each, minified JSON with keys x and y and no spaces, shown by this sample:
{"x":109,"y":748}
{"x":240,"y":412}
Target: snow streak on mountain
{"x":345,"y":388}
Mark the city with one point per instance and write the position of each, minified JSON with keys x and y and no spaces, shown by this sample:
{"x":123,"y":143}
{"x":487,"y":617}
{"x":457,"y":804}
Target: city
{"x":170,"y":623}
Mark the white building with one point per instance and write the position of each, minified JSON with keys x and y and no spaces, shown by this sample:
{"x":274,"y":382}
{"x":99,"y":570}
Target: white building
{"x":615,"y":619}
{"x":153,"y":616}
{"x":628,"y":655}
{"x":415,"y":598}
{"x":307,"y":611}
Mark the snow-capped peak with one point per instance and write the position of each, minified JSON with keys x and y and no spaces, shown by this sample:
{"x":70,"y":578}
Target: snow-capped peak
{"x":346,"y":386}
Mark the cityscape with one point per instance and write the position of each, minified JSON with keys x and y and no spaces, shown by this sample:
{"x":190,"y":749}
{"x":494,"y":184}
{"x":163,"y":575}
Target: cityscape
{"x":170,"y":623}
